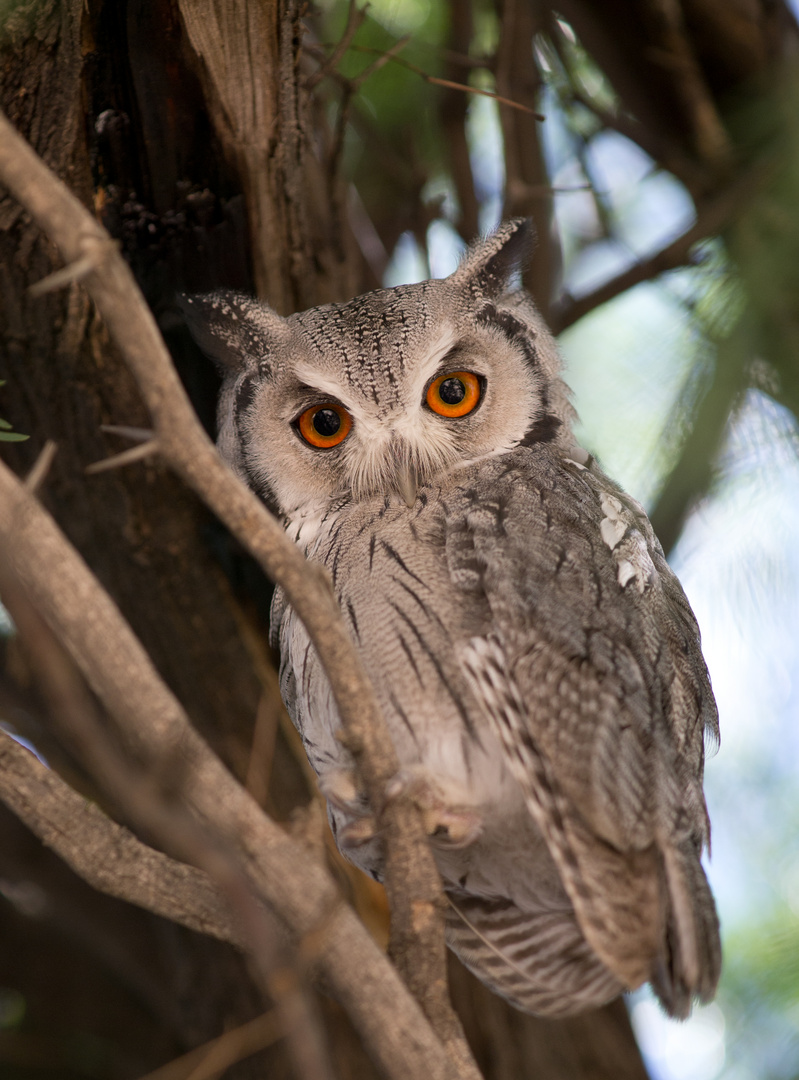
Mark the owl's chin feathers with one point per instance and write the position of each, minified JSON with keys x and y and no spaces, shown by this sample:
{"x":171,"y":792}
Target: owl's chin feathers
{"x":401,"y":468}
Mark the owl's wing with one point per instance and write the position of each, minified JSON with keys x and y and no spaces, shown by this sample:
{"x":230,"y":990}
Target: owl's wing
{"x":591,"y":675}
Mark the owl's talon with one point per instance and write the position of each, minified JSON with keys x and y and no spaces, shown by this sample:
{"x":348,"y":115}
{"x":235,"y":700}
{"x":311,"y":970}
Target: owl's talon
{"x":447,"y":823}
{"x":455,"y":828}
{"x":340,"y":788}
{"x":357,"y":832}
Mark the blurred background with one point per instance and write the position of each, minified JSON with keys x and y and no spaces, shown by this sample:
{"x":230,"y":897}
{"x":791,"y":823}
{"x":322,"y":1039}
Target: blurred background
{"x":663,"y":177}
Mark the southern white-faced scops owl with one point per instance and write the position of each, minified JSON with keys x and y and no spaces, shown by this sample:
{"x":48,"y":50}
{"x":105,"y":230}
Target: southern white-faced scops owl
{"x":536,"y":660}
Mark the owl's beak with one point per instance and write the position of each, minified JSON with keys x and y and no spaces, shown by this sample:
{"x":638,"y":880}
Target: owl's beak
{"x":406,"y":483}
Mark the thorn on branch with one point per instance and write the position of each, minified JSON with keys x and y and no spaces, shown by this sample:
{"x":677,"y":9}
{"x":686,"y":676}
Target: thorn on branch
{"x":135,"y":434}
{"x":95,"y":252}
{"x":41,"y":467}
{"x":127,"y":457}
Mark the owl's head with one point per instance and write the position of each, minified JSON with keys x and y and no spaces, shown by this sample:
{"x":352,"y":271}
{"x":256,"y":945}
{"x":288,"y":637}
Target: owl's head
{"x":382,"y":394}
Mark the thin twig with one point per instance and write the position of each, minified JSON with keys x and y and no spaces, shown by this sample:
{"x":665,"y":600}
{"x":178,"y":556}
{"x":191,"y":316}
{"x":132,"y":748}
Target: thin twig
{"x":72,"y":272}
{"x":355,"y":19}
{"x":386,"y":55}
{"x":135,"y":434}
{"x":383,"y":57}
{"x":214,"y":1057}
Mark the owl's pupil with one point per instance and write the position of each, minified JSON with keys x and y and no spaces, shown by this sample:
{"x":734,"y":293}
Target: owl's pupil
{"x":452,"y":391}
{"x":326,"y":422}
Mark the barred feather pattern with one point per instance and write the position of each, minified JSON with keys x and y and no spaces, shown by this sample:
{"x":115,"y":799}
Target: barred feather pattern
{"x":539,"y":961}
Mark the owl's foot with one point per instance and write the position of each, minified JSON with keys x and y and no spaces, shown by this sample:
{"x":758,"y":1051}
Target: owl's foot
{"x":448,"y":822}
{"x":341,"y":789}
{"x":357,"y":833}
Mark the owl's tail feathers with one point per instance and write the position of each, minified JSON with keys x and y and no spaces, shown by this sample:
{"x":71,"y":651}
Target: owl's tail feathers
{"x":690,"y":963}
{"x":539,"y":961}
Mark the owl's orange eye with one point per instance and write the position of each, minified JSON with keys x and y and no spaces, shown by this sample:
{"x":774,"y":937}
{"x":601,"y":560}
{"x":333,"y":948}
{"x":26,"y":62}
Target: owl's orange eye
{"x":454,"y":394}
{"x":324,"y":425}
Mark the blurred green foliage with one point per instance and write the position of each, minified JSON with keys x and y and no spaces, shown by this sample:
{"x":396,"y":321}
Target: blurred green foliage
{"x":6,"y":432}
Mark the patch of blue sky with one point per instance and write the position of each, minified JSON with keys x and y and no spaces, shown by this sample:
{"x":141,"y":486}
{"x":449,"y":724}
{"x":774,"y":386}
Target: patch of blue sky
{"x":445,"y":247}
{"x":694,"y":1050}
{"x":627,"y":364}
{"x":617,"y":164}
{"x":439,"y":189}
{"x":407,"y":265}
{"x":486,"y":154}
{"x":650,"y":207}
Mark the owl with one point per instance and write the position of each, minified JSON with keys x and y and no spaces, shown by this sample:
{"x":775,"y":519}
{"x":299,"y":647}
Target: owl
{"x":536,"y":660}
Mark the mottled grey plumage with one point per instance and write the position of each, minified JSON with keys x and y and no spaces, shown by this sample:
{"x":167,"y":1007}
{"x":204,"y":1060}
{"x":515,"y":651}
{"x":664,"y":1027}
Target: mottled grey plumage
{"x":536,"y":659}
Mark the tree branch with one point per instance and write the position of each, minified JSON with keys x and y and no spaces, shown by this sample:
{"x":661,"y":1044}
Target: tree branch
{"x":106,"y":855}
{"x":114,"y":663}
{"x":712,"y":217}
{"x":150,"y":793}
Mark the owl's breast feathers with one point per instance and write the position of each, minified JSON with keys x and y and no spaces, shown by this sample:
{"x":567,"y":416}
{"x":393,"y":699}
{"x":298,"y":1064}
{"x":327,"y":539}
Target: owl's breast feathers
{"x":525,"y":602}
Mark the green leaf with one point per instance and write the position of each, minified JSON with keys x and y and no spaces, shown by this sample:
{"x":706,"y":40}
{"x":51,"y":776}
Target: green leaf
{"x":12,"y":436}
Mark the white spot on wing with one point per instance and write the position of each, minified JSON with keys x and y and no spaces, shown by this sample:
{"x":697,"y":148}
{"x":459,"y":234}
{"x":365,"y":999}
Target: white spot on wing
{"x":639,"y":559}
{"x":612,"y":531}
{"x":629,"y":547}
{"x":613,"y":526}
{"x":626,"y":572}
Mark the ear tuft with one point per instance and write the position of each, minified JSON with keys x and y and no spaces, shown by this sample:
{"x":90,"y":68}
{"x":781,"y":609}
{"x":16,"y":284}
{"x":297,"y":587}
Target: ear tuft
{"x":232,"y":329}
{"x":489,"y":264}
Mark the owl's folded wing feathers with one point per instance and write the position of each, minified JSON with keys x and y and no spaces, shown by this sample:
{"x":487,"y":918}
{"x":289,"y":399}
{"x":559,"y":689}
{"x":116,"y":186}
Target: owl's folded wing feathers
{"x":592,"y":677}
